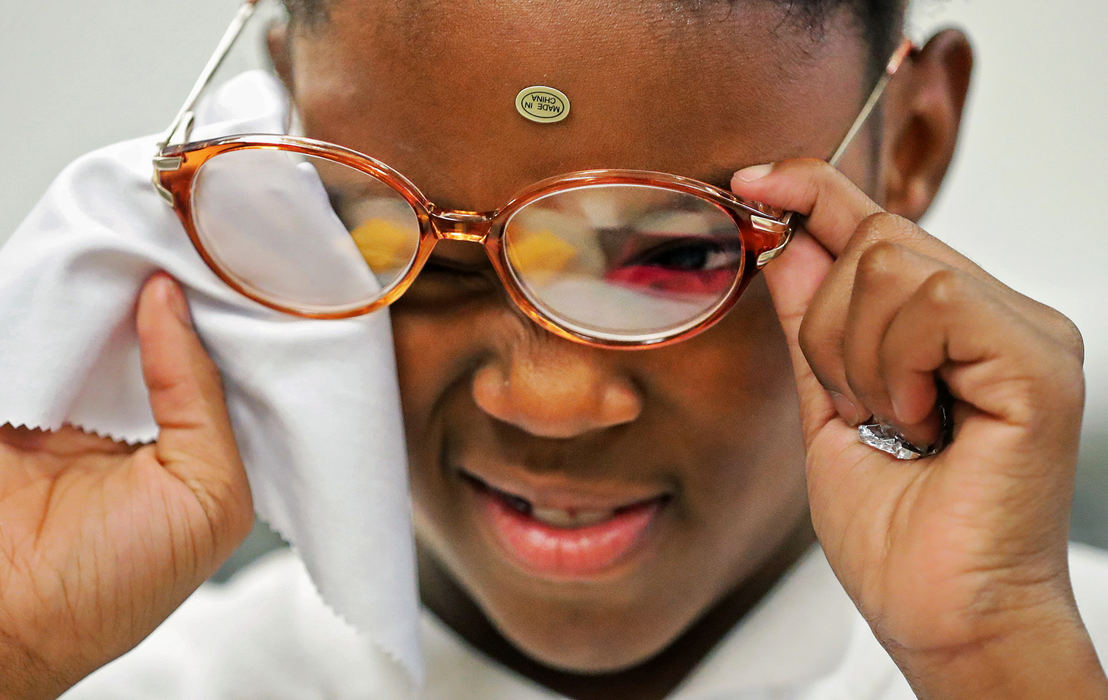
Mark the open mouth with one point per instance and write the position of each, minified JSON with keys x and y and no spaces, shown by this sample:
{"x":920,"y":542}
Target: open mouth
{"x":563,"y":541}
{"x":567,"y":518}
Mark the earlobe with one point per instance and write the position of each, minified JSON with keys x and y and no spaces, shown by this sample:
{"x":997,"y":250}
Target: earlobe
{"x":923,"y":121}
{"x":280,"y":52}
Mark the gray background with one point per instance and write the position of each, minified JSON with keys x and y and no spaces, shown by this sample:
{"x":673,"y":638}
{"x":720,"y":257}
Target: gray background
{"x":1026,"y":196}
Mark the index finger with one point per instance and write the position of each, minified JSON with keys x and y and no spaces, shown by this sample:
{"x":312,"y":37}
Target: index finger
{"x":832,"y":204}
{"x":835,"y":207}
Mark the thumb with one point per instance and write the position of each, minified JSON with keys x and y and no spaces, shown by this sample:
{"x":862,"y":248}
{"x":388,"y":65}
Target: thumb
{"x":793,"y":280}
{"x":832,"y":207}
{"x":195,"y":441}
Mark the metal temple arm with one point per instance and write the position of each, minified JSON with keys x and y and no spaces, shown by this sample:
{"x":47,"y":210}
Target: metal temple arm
{"x":891,"y":68}
{"x":246,"y":11}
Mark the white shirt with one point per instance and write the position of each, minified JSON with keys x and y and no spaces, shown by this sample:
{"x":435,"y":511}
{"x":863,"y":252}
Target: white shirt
{"x":268,"y":635}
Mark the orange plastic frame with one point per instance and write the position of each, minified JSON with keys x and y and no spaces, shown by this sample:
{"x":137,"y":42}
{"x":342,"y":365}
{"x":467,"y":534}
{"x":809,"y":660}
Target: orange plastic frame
{"x":761,"y":230}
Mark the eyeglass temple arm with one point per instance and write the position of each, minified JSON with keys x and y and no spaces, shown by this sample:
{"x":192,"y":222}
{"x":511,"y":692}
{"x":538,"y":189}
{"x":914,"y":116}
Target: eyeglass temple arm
{"x":786,"y":222}
{"x":246,"y":11}
{"x":891,"y":68}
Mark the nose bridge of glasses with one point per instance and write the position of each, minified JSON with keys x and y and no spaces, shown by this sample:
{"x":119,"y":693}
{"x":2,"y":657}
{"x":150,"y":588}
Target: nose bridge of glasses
{"x":459,"y":225}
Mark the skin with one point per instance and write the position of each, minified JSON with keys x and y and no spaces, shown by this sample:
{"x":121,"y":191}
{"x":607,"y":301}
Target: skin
{"x":957,"y":562}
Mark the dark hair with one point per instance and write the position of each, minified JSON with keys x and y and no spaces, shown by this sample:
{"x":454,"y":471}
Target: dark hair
{"x":879,"y":20}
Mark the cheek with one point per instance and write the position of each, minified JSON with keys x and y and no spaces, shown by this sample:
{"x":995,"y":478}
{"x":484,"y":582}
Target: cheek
{"x":431,"y":355}
{"x":420,"y":361}
{"x":736,"y":397}
{"x":736,"y":379}
{"x":438,"y":348}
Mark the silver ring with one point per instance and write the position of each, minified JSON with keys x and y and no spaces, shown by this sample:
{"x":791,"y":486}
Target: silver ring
{"x":885,"y":438}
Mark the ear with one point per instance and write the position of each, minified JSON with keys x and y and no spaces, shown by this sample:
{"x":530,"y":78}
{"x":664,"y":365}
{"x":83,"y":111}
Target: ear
{"x":280,"y":52}
{"x":922,"y":121}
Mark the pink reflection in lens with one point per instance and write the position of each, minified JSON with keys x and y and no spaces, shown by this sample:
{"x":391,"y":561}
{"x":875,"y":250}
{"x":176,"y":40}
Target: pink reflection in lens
{"x":690,"y":266}
{"x":662,"y":281}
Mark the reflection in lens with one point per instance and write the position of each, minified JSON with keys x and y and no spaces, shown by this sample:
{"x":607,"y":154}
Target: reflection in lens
{"x":303,"y":231}
{"x":624,"y":261}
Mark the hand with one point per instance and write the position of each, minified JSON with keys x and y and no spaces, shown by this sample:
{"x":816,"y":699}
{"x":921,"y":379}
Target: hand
{"x":100,"y":541}
{"x":958,"y":561}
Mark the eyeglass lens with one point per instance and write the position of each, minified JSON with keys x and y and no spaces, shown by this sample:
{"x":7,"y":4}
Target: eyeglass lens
{"x":624,"y":260}
{"x":301,"y":231}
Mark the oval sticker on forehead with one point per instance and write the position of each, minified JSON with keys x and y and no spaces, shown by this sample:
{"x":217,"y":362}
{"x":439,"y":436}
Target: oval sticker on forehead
{"x":542,"y":104}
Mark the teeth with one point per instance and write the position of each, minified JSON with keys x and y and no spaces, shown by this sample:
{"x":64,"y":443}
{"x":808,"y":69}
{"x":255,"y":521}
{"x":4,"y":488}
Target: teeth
{"x":556,"y":517}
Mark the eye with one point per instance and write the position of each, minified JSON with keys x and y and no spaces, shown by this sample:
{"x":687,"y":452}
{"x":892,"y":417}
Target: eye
{"x":689,"y":254}
{"x":687,"y":266}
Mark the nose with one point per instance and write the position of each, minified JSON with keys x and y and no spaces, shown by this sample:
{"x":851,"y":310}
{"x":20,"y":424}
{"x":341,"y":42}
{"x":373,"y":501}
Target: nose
{"x":553,"y":388}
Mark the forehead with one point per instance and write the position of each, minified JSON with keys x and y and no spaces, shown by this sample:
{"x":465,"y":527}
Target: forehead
{"x":698,"y":88}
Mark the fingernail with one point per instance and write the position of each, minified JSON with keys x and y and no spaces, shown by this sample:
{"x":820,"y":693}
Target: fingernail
{"x":846,"y":408}
{"x":755,"y":172}
{"x":176,"y":300}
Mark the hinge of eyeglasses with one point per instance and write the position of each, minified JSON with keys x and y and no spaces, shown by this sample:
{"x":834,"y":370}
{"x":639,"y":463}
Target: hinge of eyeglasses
{"x":779,"y":226}
{"x":164,"y":164}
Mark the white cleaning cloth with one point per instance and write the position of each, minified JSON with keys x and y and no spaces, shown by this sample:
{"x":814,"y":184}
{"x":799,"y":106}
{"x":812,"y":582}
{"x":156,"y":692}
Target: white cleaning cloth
{"x":315,"y":404}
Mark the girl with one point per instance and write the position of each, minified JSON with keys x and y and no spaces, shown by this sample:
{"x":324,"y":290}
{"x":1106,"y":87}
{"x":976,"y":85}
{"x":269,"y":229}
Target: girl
{"x":601,"y":521}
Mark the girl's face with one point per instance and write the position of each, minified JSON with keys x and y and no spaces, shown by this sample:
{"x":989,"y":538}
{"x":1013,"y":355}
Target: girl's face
{"x":592,"y":504}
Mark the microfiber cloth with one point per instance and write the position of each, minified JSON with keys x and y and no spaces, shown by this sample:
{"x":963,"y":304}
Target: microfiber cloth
{"x":314,"y":403}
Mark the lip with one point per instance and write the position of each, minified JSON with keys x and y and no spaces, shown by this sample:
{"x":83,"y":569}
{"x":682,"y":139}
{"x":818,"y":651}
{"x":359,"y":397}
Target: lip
{"x":553,"y":491}
{"x":584,"y":552}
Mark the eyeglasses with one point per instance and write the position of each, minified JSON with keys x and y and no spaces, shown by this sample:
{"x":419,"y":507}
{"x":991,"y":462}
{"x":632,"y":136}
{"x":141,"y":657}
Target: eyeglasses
{"x":609,"y":258}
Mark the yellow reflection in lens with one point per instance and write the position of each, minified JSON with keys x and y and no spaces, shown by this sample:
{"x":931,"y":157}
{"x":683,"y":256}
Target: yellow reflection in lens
{"x":384,"y":244}
{"x":540,"y":254}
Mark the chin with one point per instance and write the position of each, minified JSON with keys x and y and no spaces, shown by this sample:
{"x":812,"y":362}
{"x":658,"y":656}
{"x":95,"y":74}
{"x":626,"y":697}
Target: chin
{"x":575,"y":642}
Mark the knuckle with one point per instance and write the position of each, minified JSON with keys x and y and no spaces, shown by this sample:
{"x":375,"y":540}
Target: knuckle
{"x":879,"y":262}
{"x":872,"y":229}
{"x":944,"y":290}
{"x":826,"y":171}
{"x":823,"y":176}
